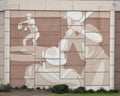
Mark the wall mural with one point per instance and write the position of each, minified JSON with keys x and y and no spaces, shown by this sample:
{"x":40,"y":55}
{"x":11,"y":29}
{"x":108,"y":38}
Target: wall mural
{"x":49,"y":48}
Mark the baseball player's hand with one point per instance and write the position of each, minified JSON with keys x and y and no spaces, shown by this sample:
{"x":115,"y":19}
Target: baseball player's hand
{"x":69,"y":32}
{"x":65,"y":17}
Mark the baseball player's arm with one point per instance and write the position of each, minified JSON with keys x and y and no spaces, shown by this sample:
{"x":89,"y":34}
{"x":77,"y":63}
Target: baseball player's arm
{"x":85,"y":17}
{"x":24,"y":22}
{"x":95,"y":37}
{"x":20,"y":25}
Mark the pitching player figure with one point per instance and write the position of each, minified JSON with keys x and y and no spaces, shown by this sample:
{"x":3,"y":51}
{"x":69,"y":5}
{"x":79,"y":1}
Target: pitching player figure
{"x":34,"y":33}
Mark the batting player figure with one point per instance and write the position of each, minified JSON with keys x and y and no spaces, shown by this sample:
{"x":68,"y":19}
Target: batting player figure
{"x":34,"y":33}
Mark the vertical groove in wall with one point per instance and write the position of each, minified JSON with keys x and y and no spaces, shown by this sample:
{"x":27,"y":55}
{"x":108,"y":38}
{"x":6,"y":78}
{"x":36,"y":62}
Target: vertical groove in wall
{"x":85,"y":49}
{"x":7,"y":47}
{"x":60,"y":49}
{"x":112,"y":30}
{"x":2,"y":13}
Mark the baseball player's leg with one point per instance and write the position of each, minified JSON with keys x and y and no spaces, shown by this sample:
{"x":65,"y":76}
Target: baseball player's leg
{"x":28,"y":37}
{"x":37,"y":35}
{"x":24,"y":41}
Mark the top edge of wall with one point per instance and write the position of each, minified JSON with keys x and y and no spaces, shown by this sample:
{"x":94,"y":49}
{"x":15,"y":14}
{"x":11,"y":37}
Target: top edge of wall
{"x":95,"y":5}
